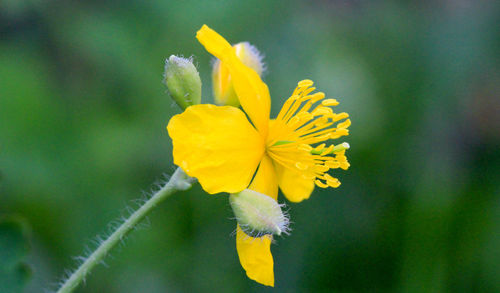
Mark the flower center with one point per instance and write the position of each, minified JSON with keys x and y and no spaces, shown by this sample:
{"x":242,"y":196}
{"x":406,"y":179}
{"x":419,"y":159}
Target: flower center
{"x":296,"y":138}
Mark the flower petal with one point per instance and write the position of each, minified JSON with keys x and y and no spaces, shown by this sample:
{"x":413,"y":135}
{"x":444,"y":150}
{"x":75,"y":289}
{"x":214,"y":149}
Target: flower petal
{"x":216,"y":145}
{"x":293,"y":185}
{"x":251,"y":90}
{"x":255,"y":253}
{"x":265,"y":181}
{"x":255,"y":257}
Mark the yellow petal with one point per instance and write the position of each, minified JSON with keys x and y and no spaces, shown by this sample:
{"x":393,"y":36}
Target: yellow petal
{"x":223,"y":89}
{"x":251,"y":90}
{"x":255,"y":253}
{"x":265,"y":181}
{"x":293,"y":185}
{"x":255,"y":257}
{"x":217,"y":145}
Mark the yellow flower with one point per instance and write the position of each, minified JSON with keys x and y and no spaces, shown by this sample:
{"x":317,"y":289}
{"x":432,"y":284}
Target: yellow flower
{"x":220,"y":147}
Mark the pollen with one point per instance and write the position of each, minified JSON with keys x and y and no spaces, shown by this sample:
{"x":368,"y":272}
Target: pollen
{"x":299,"y":138}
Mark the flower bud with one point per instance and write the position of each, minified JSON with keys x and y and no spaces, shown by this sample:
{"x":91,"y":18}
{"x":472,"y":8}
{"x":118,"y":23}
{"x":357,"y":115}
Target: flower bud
{"x":223,"y":87}
{"x":258,"y":214}
{"x":183,"y":81}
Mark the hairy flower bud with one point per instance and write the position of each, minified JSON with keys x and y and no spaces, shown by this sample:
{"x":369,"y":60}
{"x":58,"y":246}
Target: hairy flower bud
{"x":183,"y":81}
{"x":258,"y":214}
{"x":223,"y":87}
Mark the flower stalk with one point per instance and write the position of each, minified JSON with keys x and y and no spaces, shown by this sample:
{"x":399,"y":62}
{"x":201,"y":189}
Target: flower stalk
{"x":178,"y":182}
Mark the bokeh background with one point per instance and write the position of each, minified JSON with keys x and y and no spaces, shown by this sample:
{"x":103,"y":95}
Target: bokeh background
{"x":82,"y":135}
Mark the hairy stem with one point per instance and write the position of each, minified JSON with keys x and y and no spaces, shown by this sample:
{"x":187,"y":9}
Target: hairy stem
{"x":178,"y":181}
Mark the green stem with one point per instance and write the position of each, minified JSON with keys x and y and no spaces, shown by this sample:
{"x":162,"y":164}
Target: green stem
{"x":178,"y":181}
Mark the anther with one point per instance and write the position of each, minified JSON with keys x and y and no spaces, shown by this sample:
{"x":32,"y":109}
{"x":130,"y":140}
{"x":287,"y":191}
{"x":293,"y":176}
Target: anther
{"x":333,"y":183}
{"x":321,"y":184}
{"x":317,"y":96}
{"x":321,"y":168}
{"x":340,"y":116}
{"x":329,"y":102}
{"x":321,"y":111}
{"x":344,"y":124}
{"x":344,"y":165}
{"x":332,"y":164}
{"x":305,"y":83}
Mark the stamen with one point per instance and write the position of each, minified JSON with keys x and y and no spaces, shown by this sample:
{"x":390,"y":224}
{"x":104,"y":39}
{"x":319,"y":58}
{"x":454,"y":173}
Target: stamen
{"x":332,"y":182}
{"x":319,"y":148}
{"x":340,"y":116}
{"x":332,"y":164}
{"x":314,"y":129}
{"x":299,"y":125}
{"x":305,"y":83}
{"x":339,"y":133}
{"x":316,"y":97}
{"x":344,"y":124}
{"x":286,"y":106}
{"x":321,"y":184}
{"x":329,"y":102}
{"x":320,"y":111}
{"x":293,"y":108}
{"x":305,"y":147}
{"x":321,"y":168}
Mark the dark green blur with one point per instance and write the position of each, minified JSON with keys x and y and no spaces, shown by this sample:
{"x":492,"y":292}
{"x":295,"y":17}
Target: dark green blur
{"x":83,"y":112}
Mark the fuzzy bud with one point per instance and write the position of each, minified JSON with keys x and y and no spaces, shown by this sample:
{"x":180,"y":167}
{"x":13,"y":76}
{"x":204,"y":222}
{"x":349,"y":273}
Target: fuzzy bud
{"x":183,"y":81}
{"x":223,"y":87}
{"x":258,"y":214}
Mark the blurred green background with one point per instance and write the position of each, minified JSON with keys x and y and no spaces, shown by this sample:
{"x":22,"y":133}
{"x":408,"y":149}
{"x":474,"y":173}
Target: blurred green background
{"x":82,"y":133}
